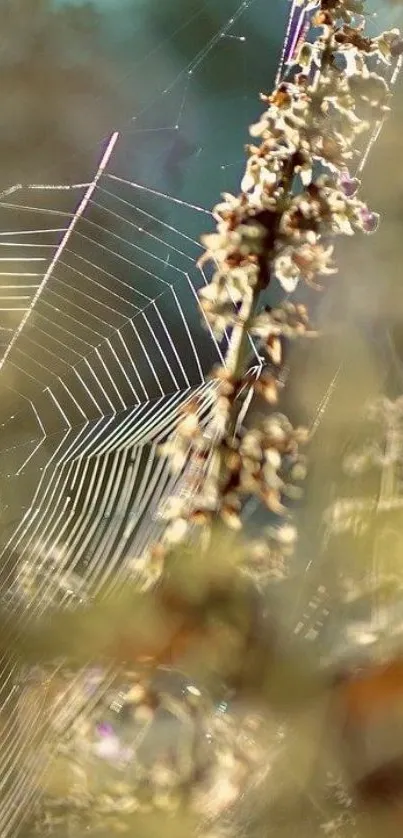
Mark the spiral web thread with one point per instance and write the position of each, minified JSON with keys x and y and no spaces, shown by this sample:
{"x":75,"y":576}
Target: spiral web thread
{"x":100,"y":346}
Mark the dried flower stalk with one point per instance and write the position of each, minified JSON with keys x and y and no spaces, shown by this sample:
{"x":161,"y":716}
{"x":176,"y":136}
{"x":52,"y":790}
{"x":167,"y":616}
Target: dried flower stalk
{"x":296,"y":196}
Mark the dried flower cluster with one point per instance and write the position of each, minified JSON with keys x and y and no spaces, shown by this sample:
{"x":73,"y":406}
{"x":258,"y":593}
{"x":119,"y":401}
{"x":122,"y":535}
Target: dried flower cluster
{"x":388,"y":416}
{"x":384,"y":453}
{"x":296,"y":195}
{"x":370,"y":524}
{"x":267,"y":558}
{"x":264,"y":461}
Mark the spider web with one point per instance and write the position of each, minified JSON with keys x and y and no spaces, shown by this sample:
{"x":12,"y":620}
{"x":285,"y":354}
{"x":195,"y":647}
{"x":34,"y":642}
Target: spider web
{"x":100,"y":344}
{"x":94,"y":355}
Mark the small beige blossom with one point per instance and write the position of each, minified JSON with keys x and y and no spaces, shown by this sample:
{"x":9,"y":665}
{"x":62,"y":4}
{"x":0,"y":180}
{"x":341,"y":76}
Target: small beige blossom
{"x":286,"y":271}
